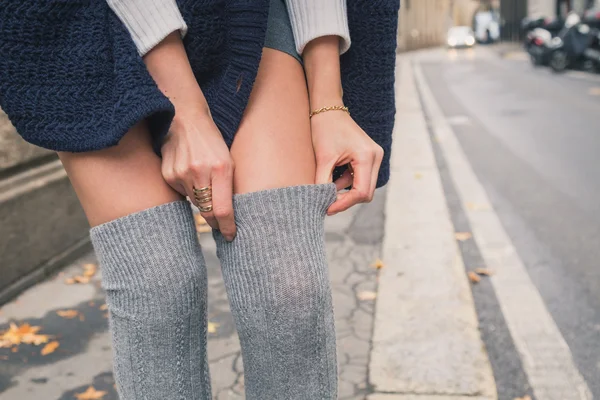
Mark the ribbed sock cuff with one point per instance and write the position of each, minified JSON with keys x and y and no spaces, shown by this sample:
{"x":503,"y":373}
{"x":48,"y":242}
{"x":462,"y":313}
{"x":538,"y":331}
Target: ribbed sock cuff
{"x":141,"y":256}
{"x":276,"y":227}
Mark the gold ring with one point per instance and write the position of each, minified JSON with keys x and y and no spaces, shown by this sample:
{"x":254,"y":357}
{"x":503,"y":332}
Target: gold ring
{"x":204,"y":199}
{"x":208,"y":208}
{"x":202,"y":190}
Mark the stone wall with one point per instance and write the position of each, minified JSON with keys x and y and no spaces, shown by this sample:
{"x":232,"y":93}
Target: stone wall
{"x":42,"y":225}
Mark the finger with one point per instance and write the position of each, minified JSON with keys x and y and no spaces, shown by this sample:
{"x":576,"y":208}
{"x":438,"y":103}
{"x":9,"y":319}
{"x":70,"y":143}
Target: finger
{"x":361,"y":186}
{"x":223,"y":203}
{"x":375,"y":173}
{"x":194,"y":184}
{"x":324,"y":171}
{"x":344,"y":181}
{"x":169,"y":175}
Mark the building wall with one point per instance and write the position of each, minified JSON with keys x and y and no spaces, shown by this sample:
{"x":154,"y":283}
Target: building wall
{"x":423,"y":23}
{"x":541,"y":8}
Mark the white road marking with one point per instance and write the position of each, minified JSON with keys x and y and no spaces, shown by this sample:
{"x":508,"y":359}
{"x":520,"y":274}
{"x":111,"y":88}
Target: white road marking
{"x":546,"y":357}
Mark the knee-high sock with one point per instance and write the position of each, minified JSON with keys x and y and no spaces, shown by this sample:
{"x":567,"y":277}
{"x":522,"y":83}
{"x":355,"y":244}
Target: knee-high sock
{"x":155,"y":279}
{"x":277,"y":281}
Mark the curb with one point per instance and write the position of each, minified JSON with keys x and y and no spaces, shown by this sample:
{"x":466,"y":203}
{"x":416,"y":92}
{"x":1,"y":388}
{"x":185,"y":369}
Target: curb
{"x":426,"y":342}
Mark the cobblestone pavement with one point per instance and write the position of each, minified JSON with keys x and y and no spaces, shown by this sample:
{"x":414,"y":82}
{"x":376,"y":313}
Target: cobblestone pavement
{"x":84,"y":355}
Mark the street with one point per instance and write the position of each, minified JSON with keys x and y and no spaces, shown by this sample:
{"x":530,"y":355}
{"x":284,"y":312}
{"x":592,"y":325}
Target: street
{"x":489,"y":232}
{"x":531,"y":139}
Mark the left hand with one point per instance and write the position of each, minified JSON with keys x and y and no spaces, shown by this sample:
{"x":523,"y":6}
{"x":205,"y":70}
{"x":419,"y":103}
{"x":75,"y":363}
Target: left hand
{"x":337,"y":141}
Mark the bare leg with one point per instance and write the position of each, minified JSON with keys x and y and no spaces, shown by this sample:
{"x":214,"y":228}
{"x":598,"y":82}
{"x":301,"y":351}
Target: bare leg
{"x":275,"y":271}
{"x":273,"y":146}
{"x":153,"y":270}
{"x":119,"y":180}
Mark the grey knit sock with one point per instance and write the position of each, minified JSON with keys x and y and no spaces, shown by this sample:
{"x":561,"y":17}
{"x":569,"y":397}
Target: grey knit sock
{"x":276,"y":277}
{"x":155,"y":279}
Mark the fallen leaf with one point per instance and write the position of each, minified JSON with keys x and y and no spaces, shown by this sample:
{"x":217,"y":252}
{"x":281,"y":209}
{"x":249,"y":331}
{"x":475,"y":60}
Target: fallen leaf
{"x":49,"y":348}
{"x":3,"y":357}
{"x":378,"y":264}
{"x":14,"y":349}
{"x":366,"y":295}
{"x":212,"y":327}
{"x":462,"y":236}
{"x":203,"y":228}
{"x":25,"y":333}
{"x":92,"y":304}
{"x":103,"y":307}
{"x":81,"y":317}
{"x":477,"y":206}
{"x":105,"y":315}
{"x":200,"y":219}
{"x":418,"y":175}
{"x":90,"y":394}
{"x":484,"y":271}
{"x":89,"y":270}
{"x":523,"y":398}
{"x":77,"y":279}
{"x":68,"y":313}
{"x":473,"y":277}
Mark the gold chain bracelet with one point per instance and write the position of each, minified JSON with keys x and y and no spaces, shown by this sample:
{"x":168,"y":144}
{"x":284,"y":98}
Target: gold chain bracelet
{"x":330,"y":108}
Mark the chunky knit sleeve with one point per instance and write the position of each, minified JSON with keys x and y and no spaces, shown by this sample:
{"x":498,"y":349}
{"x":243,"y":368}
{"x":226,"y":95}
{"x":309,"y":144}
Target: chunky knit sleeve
{"x":315,"y":18}
{"x":149,"y":21}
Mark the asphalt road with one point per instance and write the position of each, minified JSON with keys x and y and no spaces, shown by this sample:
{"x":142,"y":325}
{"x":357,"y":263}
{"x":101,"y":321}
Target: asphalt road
{"x":533,"y":140}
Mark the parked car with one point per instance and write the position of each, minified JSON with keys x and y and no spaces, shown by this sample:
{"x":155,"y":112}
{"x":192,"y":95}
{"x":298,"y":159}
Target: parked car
{"x":460,"y":36}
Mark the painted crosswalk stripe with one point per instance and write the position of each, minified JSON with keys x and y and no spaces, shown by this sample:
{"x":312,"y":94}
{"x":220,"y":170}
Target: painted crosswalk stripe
{"x":546,"y":357}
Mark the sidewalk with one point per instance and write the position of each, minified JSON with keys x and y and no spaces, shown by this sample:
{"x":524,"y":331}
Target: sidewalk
{"x":406,"y":331}
{"x":83,"y":356}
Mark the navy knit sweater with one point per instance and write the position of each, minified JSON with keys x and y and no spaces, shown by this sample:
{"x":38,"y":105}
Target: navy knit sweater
{"x":71,"y":78}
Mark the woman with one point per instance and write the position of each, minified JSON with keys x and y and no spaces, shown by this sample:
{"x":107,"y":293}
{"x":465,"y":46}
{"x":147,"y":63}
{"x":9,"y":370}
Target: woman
{"x":142,"y":118}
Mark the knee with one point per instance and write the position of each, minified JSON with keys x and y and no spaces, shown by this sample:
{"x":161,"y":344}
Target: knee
{"x":170,"y":285}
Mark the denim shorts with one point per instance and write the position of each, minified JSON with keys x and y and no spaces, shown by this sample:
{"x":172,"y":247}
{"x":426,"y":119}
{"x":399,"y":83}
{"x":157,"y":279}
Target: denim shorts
{"x":279,"y":30}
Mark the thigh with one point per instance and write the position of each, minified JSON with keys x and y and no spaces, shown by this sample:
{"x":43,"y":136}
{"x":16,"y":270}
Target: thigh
{"x":118,"y":180}
{"x":273,"y":146}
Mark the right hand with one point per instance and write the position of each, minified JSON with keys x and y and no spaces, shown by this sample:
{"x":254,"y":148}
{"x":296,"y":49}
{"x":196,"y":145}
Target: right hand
{"x":194,"y":154}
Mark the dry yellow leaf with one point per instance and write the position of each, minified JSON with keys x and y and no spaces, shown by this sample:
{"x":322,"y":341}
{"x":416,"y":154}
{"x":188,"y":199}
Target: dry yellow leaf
{"x":104,"y":307}
{"x":25,"y":333}
{"x":462,"y":236}
{"x":477,"y":206}
{"x":484,"y":271}
{"x":90,"y":394}
{"x":200,"y":219}
{"x":77,"y":279}
{"x":378,"y":264}
{"x":212,"y":327}
{"x":49,"y":348}
{"x":473,"y":277}
{"x":203,"y":228}
{"x":89,"y":270}
{"x":68,"y":313}
{"x":366,"y":295}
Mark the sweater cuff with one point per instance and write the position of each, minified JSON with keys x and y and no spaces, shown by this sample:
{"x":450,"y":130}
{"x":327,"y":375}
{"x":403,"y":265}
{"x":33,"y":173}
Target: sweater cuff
{"x":149,"y":21}
{"x":312,"y":19}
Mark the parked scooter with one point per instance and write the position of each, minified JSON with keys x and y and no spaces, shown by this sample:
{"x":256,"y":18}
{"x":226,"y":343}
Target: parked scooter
{"x":592,"y":53}
{"x":568,"y":49}
{"x":539,"y":34}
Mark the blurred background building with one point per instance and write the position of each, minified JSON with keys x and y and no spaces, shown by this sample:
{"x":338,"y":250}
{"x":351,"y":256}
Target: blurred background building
{"x":424,"y":23}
